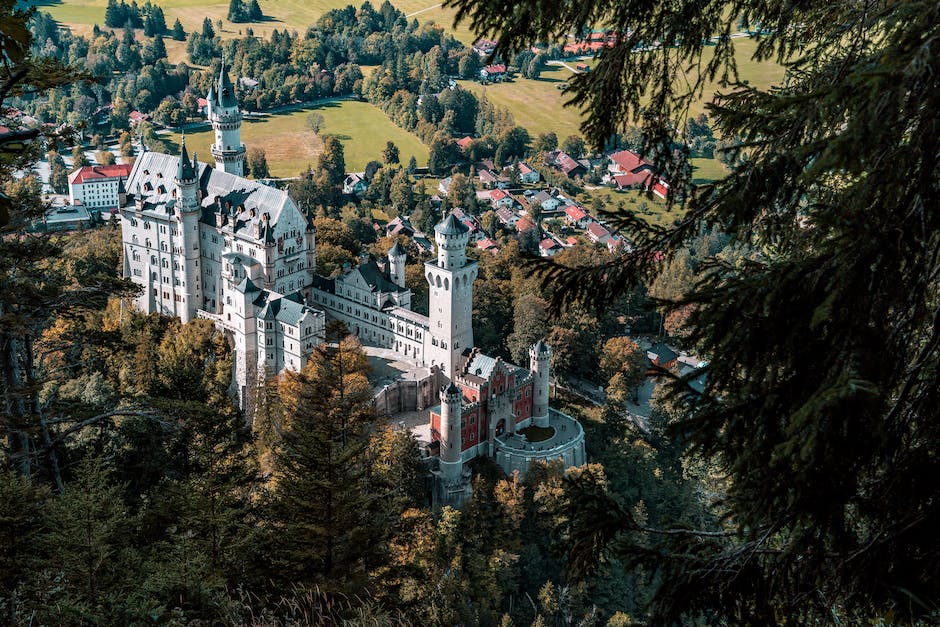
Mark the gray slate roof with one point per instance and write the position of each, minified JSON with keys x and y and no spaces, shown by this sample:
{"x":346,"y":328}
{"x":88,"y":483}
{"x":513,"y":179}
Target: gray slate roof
{"x":221,"y":191}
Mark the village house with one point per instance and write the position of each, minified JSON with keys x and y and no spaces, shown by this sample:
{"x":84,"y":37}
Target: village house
{"x":576,"y":216}
{"x":485,"y":47}
{"x":399,"y":226}
{"x":597,"y":233}
{"x":548,"y":247}
{"x":507,"y":216}
{"x":500,"y":198}
{"x":444,"y":186}
{"x":494,"y":73}
{"x":355,"y":184}
{"x":565,"y":163}
{"x":489,"y":245}
{"x":527,"y":174}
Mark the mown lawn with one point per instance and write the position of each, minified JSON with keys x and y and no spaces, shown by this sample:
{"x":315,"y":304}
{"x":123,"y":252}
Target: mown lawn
{"x":290,"y":146}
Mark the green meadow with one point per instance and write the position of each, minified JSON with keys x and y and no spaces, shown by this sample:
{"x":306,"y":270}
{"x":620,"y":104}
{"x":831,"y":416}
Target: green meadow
{"x":290,"y":146}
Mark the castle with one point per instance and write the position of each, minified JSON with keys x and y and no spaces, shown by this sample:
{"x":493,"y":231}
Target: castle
{"x":205,"y":242}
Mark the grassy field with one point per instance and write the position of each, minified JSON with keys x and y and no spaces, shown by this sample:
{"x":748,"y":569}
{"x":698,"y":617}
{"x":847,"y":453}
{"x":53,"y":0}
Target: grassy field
{"x":290,"y":146}
{"x":706,"y":170}
{"x":539,"y":104}
{"x":297,"y":15}
{"x":653,"y":209}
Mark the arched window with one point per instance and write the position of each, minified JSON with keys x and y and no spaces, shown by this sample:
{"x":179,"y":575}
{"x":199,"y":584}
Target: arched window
{"x":430,"y":279}
{"x":446,"y":283}
{"x":437,"y":280}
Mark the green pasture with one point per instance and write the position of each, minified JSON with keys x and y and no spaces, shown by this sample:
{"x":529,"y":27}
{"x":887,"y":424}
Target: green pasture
{"x":290,"y":146}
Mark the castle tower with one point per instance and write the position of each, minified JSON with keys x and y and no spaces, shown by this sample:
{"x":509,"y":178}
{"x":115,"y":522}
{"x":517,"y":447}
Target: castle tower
{"x":226,"y":119}
{"x":451,"y":441}
{"x":539,"y":357}
{"x":396,"y":265}
{"x":450,"y":278}
{"x":187,"y":215}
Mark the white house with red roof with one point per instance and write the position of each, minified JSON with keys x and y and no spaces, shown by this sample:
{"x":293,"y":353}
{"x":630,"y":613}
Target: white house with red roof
{"x":136,"y":117}
{"x":495,"y":72}
{"x":464,"y":142}
{"x":597,"y":233}
{"x":507,"y":216}
{"x":501,"y":198}
{"x":99,"y":186}
{"x":576,"y":216}
{"x":527,"y":174}
{"x":548,"y":247}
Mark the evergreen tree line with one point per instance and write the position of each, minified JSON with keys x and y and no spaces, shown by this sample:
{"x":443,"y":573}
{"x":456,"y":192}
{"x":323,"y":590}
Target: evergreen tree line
{"x":241,"y":11}
{"x":149,"y":17}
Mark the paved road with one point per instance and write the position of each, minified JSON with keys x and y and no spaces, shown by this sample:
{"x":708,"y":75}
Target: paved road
{"x":433,"y":6}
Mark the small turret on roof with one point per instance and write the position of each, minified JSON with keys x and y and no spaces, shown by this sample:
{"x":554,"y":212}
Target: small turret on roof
{"x":185,"y":172}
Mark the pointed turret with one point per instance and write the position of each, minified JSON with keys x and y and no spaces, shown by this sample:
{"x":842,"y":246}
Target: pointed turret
{"x":226,"y":119}
{"x":226,"y":93}
{"x":186,"y":172}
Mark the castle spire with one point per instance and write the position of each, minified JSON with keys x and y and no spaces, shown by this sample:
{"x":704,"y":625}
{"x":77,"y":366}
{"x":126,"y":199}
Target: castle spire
{"x":185,"y":172}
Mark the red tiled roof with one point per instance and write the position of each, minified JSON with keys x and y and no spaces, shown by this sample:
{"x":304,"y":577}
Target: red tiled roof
{"x":661,"y":189}
{"x":575,"y":213}
{"x":88,"y":172}
{"x":463,"y":143}
{"x":487,"y":244}
{"x":498,"y":194}
{"x":572,"y":240}
{"x":642,"y":178}
{"x":525,"y":224}
{"x":524,"y":168}
{"x":137,"y":116}
{"x":548,"y":243}
{"x":497,"y":68}
{"x":202,"y":102}
{"x":597,"y":230}
{"x":629,"y":161}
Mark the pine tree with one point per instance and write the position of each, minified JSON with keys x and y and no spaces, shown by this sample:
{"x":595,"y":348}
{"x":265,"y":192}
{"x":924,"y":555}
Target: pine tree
{"x":88,"y":541}
{"x":327,"y":524}
{"x":236,"y":11}
{"x":178,"y":34}
{"x":21,"y":523}
{"x":254,"y":11}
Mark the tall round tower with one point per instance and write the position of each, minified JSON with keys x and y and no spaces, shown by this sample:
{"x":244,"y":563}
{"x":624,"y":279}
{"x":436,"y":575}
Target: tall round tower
{"x":396,"y":265}
{"x":226,"y":119}
{"x":187,"y":212}
{"x":450,"y":285}
{"x":451,"y":441}
{"x":539,"y":357}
